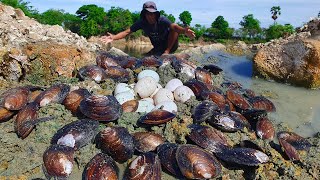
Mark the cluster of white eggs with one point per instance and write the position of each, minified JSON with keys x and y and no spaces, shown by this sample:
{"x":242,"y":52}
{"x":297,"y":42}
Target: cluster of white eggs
{"x":151,"y":95}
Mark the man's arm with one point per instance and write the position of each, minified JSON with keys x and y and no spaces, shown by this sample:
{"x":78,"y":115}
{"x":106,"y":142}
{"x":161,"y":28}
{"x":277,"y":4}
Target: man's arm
{"x":110,"y":37}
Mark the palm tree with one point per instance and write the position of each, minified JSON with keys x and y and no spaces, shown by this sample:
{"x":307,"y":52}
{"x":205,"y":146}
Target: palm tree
{"x":275,"y":10}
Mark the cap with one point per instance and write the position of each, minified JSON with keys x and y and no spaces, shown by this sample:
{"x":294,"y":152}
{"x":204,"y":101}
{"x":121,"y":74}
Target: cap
{"x":150,"y":6}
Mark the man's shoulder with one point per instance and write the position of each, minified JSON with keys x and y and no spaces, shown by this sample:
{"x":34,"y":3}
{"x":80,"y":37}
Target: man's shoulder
{"x":163,"y":19}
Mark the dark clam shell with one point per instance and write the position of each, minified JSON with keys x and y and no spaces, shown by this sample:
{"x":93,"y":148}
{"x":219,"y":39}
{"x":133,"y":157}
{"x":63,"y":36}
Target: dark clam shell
{"x":254,"y":114}
{"x":151,"y":61}
{"x":15,"y":98}
{"x":157,"y":117}
{"x":144,"y":167}
{"x":167,"y":156}
{"x":25,"y":119}
{"x":76,"y":134}
{"x":231,"y":121}
{"x":197,"y":87}
{"x":216,"y":97}
{"x":101,"y":108}
{"x":129,"y":62}
{"x":208,"y":138}
{"x":58,"y":161}
{"x":265,"y":129}
{"x":117,"y":142}
{"x":212,"y":68}
{"x":238,"y":100}
{"x":242,"y":156}
{"x":54,"y":94}
{"x":196,"y":163}
{"x":118,"y":74}
{"x":291,"y":143}
{"x":203,"y":75}
{"x":101,"y":166}
{"x":147,"y":141}
{"x":105,"y":59}
{"x":203,"y":111}
{"x":262,"y":103}
{"x":5,"y":114}
{"x":92,"y":72}
{"x":73,"y":100}
{"x":130,"y":106}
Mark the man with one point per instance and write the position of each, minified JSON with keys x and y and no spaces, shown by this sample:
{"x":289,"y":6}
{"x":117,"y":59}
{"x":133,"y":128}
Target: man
{"x":162,"y":33}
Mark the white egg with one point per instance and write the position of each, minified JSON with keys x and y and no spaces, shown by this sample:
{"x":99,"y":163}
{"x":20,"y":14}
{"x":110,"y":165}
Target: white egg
{"x":173,"y":84}
{"x":148,"y":99}
{"x":145,"y":105}
{"x":156,"y":91}
{"x":183,"y":94}
{"x":168,"y":106}
{"x":163,"y":95}
{"x":145,"y":87}
{"x":150,"y":73}
{"x":123,"y":87}
{"x":124,"y":97}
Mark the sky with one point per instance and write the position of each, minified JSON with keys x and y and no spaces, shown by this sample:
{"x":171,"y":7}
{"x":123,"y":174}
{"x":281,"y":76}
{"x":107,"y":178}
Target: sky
{"x":204,"y":12}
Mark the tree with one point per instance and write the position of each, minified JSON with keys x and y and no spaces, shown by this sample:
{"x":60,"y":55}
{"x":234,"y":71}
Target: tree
{"x":118,"y":19}
{"x":250,"y":26}
{"x":220,"y":29}
{"x":199,"y":30}
{"x":72,"y":22}
{"x":275,"y":10}
{"x":52,"y":17}
{"x":170,"y":16}
{"x":277,"y":30}
{"x":185,"y":18}
{"x":24,"y":6}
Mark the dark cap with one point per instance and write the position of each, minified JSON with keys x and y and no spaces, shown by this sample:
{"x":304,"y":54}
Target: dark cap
{"x":150,"y":6}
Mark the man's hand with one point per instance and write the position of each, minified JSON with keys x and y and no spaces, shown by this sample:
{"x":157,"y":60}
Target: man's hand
{"x":107,"y":39}
{"x":188,"y":32}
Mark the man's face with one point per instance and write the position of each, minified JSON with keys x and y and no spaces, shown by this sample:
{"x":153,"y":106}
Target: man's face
{"x":151,"y":17}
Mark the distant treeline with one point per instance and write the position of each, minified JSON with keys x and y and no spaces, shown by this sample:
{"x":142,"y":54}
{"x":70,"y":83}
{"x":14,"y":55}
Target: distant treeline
{"x":92,"y":20}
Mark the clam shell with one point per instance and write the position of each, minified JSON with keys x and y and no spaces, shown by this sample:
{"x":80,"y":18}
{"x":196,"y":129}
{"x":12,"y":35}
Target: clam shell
{"x":105,"y":59}
{"x":129,"y":62}
{"x":145,"y":87}
{"x":147,"y":141}
{"x":167,"y":156}
{"x":130,"y":106}
{"x":24,"y":119}
{"x":204,"y":111}
{"x":196,"y":163}
{"x":146,"y":166}
{"x":58,"y":161}
{"x":101,"y":166}
{"x":213,"y":68}
{"x":54,"y":94}
{"x":157,"y":117}
{"x":117,"y":142}
{"x":183,"y":94}
{"x":162,"y":96}
{"x":197,"y":87}
{"x":173,"y":84}
{"x":101,"y":108}
{"x":118,"y":74}
{"x":150,"y":73}
{"x":5,"y":114}
{"x":264,"y":129}
{"x":238,"y":100}
{"x":203,"y":75}
{"x":92,"y":72}
{"x":73,"y":99}
{"x":262,"y":103}
{"x":216,"y":97}
{"x":76,"y":134}
{"x":231,"y":121}
{"x":15,"y":98}
{"x":151,"y":61}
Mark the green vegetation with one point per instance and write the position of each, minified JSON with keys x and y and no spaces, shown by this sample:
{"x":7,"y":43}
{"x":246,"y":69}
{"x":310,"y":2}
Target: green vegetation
{"x":91,"y":20}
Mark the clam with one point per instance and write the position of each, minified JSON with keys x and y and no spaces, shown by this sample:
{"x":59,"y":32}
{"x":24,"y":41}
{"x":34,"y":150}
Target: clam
{"x":184,"y":66}
{"x":212,"y":68}
{"x":151,"y":61}
{"x":58,"y":161}
{"x":196,"y":163}
{"x":118,"y":74}
{"x":101,"y":108}
{"x":203,"y":75}
{"x":124,"y":97}
{"x":123,"y":87}
{"x":150,"y":73}
{"x":105,"y":59}
{"x":291,"y":143}
{"x":262,"y":103}
{"x":25,"y":119}
{"x":145,"y":105}
{"x":168,"y":106}
{"x":207,"y":137}
{"x":73,"y":99}
{"x":167,"y":156}
{"x":264,"y":128}
{"x":242,"y":156}
{"x":145,"y":87}
{"x":147,"y":141}
{"x":157,"y":117}
{"x":101,"y":166}
{"x":92,"y":72}
{"x":238,"y":100}
{"x":144,"y":167}
{"x":204,"y":111}
{"x":130,"y":106}
{"x":197,"y":87}
{"x":163,"y":95}
{"x":117,"y":142}
{"x":173,"y":84}
{"x":182,"y":94}
{"x":54,"y":94}
{"x":216,"y":97}
{"x":5,"y":114}
{"x":129,"y":62}
{"x":76,"y":134}
{"x":15,"y":98}
{"x":231,"y":121}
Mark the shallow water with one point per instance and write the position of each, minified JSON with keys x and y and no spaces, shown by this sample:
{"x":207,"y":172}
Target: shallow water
{"x":298,"y":107}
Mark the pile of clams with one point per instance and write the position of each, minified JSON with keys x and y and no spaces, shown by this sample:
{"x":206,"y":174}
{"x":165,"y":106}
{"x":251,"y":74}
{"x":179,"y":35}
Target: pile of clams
{"x":218,"y":112}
